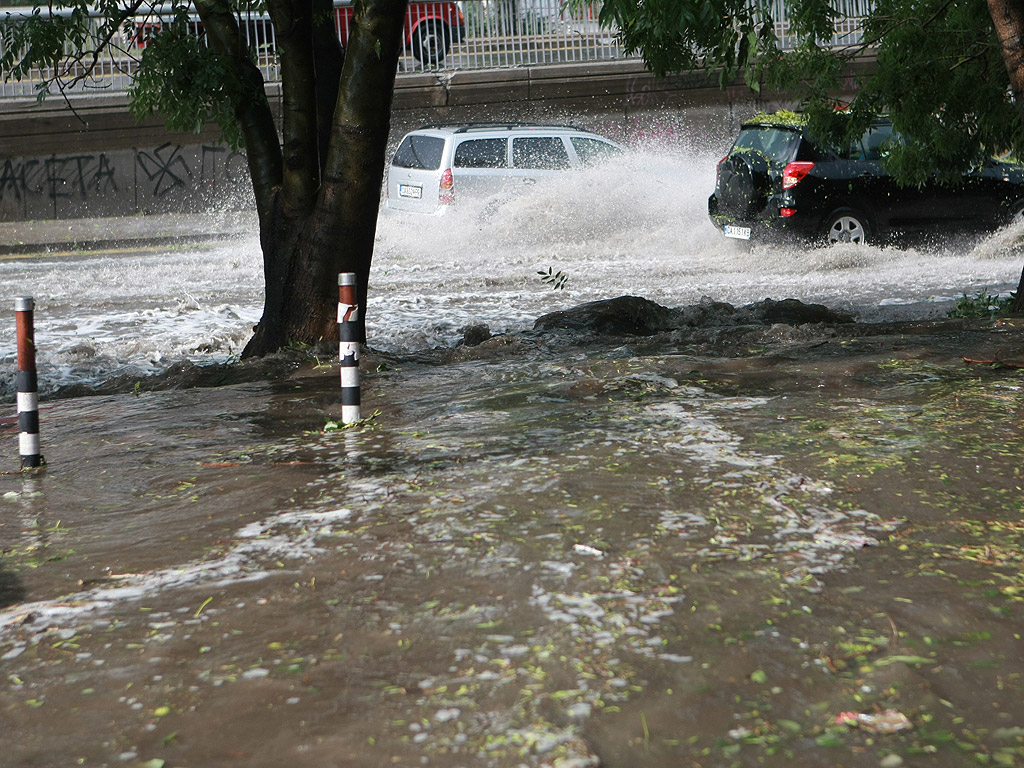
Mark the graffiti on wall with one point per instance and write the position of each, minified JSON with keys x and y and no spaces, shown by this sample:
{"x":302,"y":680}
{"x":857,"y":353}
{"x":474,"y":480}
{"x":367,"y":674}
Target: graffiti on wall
{"x":167,"y":177}
{"x":55,"y":177}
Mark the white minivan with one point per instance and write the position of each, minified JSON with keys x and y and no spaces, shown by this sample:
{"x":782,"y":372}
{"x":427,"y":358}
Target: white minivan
{"x":437,"y":165}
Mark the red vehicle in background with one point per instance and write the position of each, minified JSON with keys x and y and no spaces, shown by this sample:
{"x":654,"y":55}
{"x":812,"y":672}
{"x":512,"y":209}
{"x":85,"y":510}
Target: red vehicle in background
{"x":431,"y":28}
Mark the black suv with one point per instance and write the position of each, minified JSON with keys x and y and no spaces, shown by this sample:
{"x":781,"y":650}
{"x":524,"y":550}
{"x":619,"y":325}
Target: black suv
{"x":776,"y":181}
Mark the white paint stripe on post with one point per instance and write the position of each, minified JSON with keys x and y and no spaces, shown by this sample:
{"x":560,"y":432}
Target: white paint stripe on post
{"x":29,"y":446}
{"x":28,"y":401}
{"x":348,"y":347}
{"x":27,"y":383}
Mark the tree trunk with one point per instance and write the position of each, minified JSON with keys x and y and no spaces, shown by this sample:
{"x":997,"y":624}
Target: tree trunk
{"x":303,"y":256}
{"x":1017,"y":307}
{"x":1008,"y":18}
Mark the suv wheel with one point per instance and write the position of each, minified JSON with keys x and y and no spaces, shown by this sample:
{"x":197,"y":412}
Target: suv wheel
{"x":847,"y":226}
{"x":743,"y":184}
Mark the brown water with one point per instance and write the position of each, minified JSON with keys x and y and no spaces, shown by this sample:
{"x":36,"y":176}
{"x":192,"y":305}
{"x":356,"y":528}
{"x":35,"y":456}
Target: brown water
{"x":536,"y":553}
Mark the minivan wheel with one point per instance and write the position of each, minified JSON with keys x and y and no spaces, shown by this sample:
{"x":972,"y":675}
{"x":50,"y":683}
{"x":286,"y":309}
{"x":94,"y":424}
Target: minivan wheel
{"x":847,"y":226}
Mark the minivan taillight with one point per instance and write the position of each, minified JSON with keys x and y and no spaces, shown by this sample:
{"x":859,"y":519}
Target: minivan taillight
{"x":794,"y":173}
{"x":446,"y":192}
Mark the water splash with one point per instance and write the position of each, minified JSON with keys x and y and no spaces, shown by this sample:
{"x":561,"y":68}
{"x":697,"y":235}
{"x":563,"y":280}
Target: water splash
{"x":634,"y":226}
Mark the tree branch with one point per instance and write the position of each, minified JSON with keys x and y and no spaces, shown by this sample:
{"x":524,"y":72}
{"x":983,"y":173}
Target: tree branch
{"x":1008,"y":19}
{"x":329,"y":58}
{"x":293,"y":24}
{"x":262,"y":145}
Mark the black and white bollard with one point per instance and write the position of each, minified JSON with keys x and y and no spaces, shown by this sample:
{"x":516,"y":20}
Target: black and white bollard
{"x":27,"y":383}
{"x":348,"y":347}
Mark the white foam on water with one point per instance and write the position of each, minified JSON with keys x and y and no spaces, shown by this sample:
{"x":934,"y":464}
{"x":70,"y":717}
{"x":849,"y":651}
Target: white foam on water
{"x":292,"y":535}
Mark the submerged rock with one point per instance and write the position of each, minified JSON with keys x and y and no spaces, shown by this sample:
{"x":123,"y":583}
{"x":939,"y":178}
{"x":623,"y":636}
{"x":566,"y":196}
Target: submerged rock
{"x":622,"y":316}
{"x":636,"y":316}
{"x":474,"y":335}
{"x":795,"y":312}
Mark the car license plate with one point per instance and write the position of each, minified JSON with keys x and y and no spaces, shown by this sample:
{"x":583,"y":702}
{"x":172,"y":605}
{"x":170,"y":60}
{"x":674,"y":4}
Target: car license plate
{"x":410,"y":190}
{"x":740,"y":233}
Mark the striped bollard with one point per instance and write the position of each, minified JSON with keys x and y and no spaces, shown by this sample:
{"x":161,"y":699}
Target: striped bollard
{"x":348,"y":347}
{"x":27,"y":383}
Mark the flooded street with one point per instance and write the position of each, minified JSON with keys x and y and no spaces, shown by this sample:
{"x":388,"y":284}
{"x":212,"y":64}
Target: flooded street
{"x":635,"y":227}
{"x":698,"y":548}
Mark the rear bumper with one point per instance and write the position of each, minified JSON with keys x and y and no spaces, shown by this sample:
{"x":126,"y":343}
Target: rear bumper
{"x":767,"y":226}
{"x":418,"y":208}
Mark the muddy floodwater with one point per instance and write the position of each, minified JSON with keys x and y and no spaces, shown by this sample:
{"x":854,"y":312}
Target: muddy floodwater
{"x":728,"y":543}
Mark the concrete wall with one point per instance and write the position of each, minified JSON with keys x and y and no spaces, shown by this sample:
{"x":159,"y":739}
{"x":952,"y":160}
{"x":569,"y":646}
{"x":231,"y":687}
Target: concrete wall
{"x":167,"y":178}
{"x":56,"y":163}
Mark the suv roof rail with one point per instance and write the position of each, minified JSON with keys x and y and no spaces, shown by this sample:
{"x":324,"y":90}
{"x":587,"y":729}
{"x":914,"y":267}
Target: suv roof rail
{"x":483,"y":126}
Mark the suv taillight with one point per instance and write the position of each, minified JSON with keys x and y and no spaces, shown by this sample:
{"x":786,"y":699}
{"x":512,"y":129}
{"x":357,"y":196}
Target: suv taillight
{"x":446,"y":192}
{"x":794,"y":172}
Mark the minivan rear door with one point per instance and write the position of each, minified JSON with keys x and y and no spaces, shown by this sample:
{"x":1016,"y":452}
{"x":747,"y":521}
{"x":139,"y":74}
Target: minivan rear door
{"x":480,"y":167}
{"x":536,"y":157}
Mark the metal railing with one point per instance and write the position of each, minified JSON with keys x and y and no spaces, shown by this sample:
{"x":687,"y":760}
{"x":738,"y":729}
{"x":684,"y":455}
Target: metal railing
{"x":850,"y":16}
{"x":440,"y":36}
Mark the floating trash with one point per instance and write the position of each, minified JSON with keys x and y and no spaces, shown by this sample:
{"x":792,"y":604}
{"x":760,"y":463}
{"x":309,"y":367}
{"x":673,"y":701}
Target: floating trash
{"x":889,"y":721}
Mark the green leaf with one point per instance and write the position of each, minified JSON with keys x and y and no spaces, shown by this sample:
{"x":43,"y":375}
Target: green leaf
{"x":912,"y":660}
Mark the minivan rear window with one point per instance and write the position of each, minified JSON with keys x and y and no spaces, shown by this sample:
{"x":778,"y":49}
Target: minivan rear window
{"x":777,"y":144}
{"x":592,"y":151}
{"x":482,"y":153}
{"x":546,"y":153}
{"x":422,"y":153}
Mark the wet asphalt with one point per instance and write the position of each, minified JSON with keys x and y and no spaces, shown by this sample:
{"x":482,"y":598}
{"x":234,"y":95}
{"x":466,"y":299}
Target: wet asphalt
{"x":53,"y":237}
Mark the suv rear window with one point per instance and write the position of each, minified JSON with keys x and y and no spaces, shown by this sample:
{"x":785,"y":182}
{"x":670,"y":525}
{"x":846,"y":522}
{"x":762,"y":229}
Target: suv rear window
{"x":422,"y":153}
{"x":481,"y":153}
{"x":777,"y":144}
{"x":872,"y":142}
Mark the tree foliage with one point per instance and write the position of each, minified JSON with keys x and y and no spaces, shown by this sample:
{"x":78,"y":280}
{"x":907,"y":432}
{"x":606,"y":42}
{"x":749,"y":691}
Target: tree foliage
{"x":936,"y":67}
{"x":181,"y":79}
{"x":316,"y":168}
{"x":43,"y":39}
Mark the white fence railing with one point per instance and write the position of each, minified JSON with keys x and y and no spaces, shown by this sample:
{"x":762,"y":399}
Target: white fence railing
{"x":850,"y":15}
{"x":440,"y":35}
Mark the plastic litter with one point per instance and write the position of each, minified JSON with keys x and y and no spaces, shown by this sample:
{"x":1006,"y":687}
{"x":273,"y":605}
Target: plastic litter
{"x":889,"y":721}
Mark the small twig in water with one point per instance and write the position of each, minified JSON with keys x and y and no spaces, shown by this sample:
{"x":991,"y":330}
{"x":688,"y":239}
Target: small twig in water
{"x":995,"y":363}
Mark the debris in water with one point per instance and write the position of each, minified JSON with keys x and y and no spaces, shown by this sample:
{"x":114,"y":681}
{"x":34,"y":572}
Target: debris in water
{"x":889,"y":721}
{"x":586,"y":549}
